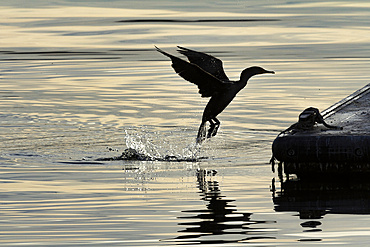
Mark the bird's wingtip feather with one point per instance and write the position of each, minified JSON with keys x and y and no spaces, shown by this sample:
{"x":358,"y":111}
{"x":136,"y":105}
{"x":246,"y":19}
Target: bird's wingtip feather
{"x":161,"y":51}
{"x":182,"y":49}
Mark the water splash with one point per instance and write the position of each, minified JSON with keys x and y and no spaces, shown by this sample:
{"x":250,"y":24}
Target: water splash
{"x":142,"y":142}
{"x":146,"y":145}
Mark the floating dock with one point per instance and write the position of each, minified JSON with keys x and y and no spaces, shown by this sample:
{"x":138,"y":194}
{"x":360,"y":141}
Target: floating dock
{"x":320,"y":150}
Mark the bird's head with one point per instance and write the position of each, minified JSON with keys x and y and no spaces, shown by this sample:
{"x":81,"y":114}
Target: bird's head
{"x":255,"y":70}
{"x":251,"y":71}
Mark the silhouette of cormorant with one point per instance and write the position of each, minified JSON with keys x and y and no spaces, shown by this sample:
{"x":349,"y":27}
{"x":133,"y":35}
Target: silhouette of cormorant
{"x":208,"y":74}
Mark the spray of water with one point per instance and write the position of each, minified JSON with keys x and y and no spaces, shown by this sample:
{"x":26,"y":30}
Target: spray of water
{"x":168,"y":146}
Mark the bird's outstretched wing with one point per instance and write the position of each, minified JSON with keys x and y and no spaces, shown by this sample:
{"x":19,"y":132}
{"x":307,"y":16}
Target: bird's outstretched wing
{"x":207,"y":62}
{"x":207,"y":83}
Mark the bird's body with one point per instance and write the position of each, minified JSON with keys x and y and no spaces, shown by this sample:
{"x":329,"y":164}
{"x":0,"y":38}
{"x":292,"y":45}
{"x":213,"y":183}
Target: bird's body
{"x":208,"y":74}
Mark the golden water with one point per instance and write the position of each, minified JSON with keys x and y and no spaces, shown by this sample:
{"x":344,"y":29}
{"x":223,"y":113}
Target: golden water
{"x":81,"y":81}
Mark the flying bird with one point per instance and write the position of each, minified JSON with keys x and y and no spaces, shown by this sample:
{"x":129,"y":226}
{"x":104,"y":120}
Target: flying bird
{"x":208,"y":74}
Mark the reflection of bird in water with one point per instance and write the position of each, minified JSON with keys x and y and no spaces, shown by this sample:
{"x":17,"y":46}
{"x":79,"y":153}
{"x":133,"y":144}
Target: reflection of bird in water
{"x":220,"y":222}
{"x":208,"y":74}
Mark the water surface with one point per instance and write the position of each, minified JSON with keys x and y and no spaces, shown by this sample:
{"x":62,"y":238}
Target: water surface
{"x":81,"y":81}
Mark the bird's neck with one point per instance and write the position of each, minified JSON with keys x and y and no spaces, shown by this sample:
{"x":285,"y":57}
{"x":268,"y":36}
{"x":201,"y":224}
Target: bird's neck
{"x":244,"y":77}
{"x":243,"y":80}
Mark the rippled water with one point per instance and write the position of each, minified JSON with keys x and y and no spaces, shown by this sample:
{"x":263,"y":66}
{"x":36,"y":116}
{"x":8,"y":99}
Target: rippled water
{"x":80,"y":82}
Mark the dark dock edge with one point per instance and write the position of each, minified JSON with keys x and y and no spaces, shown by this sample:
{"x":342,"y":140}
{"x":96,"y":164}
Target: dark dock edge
{"x":312,"y":154}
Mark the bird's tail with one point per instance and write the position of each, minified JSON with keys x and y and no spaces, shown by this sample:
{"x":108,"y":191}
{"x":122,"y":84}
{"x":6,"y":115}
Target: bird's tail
{"x":202,"y":133}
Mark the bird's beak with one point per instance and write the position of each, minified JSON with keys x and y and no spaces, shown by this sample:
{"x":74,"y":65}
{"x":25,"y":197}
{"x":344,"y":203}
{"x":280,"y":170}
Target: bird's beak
{"x":270,"y":71}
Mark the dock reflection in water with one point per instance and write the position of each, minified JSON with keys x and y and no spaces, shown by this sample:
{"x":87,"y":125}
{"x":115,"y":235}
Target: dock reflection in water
{"x":220,"y":222}
{"x":314,"y":198}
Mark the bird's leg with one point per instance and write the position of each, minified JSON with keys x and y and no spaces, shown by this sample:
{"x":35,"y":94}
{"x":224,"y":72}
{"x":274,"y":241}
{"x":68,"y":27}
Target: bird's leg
{"x":201,"y":133}
{"x":213,"y":127}
{"x":216,"y":126}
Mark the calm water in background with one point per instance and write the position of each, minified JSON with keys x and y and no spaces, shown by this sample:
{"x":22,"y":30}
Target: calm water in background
{"x":81,"y":81}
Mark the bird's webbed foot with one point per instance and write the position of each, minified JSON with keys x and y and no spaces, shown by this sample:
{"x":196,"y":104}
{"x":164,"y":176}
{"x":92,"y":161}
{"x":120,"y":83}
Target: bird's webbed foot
{"x":213,"y":127}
